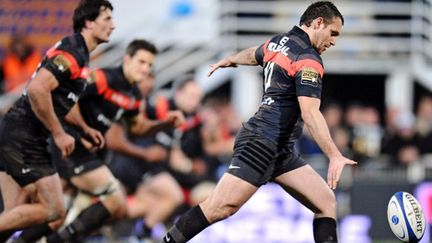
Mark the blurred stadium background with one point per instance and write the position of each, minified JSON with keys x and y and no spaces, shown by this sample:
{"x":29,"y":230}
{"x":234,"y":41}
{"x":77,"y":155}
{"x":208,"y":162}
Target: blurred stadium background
{"x":378,"y":76}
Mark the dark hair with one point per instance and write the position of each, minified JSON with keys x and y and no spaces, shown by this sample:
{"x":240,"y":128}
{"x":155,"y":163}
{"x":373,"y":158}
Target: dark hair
{"x":326,"y":10}
{"x":181,"y":81}
{"x":88,"y":10}
{"x":140,"y":44}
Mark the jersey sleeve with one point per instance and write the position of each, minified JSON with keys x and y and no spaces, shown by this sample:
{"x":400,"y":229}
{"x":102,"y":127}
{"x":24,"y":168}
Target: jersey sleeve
{"x":137,"y":104}
{"x":92,"y":89}
{"x":159,"y":109}
{"x":308,"y":77}
{"x":64,"y":64}
{"x":260,"y":52}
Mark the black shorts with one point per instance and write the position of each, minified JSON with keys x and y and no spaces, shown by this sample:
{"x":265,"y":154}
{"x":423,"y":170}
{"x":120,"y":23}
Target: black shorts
{"x":80,"y":161}
{"x":132,"y":171}
{"x":23,"y":150}
{"x":259,"y":160}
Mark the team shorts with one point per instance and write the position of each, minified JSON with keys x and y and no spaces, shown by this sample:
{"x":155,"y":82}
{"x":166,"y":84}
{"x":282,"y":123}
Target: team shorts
{"x":80,"y":161}
{"x":132,"y":171}
{"x":259,"y":160}
{"x":23,"y":150}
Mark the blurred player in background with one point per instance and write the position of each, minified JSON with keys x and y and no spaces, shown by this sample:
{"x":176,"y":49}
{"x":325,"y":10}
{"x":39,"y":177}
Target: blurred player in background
{"x":31,"y":187}
{"x":264,"y":148}
{"x":112,"y":96}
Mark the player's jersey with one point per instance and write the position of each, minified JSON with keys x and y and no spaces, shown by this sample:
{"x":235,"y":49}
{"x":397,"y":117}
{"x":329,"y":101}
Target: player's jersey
{"x":108,"y":98}
{"x":68,"y":62}
{"x":292,"y":68}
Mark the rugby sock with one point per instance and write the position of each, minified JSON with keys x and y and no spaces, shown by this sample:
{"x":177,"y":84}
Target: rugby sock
{"x":189,"y":225}
{"x":88,"y":220}
{"x":34,"y":233}
{"x":324,"y":230}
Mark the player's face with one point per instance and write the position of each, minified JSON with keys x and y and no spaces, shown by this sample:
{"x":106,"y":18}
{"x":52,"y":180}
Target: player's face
{"x":189,"y":97}
{"x":327,"y":34}
{"x":103,"y":26}
{"x":139,"y":66}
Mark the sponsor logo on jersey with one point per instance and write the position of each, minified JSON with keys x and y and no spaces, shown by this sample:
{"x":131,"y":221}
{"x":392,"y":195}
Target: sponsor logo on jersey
{"x":62,"y":63}
{"x":105,"y":120}
{"x":267,"y":101}
{"x":309,"y":76}
{"x":73,"y":97}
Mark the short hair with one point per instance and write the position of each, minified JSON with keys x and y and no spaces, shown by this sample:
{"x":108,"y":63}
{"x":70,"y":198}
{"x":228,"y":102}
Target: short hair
{"x":325,"y":9}
{"x":88,"y":10}
{"x":140,"y":44}
{"x":181,"y":81}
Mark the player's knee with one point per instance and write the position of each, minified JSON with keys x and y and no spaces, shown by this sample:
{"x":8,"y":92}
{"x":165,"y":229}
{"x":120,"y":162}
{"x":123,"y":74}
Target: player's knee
{"x":116,"y":205}
{"x":56,"y":212}
{"x":113,"y":198}
{"x":55,"y":225}
{"x":327,"y":204}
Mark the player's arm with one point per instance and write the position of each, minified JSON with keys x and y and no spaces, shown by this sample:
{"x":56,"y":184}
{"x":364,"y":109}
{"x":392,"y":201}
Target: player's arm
{"x":39,"y":93}
{"x":93,"y":136}
{"x":141,"y":126}
{"x":318,"y":128}
{"x":117,"y":141}
{"x":245,"y":57}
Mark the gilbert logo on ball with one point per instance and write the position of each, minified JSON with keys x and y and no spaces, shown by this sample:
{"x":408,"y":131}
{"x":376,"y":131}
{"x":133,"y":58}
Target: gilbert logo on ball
{"x":405,"y":217}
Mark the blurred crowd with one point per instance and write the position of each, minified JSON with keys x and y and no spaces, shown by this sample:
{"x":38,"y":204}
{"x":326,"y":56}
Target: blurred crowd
{"x":395,"y":139}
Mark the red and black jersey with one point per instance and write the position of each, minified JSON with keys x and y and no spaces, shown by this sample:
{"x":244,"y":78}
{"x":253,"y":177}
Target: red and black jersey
{"x":68,"y":61}
{"x":292,"y":68}
{"x":159,"y":109}
{"x":108,"y":98}
{"x":190,"y":130}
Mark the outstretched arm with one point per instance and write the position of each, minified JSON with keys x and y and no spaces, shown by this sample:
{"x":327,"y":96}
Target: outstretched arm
{"x":117,"y":141}
{"x":245,"y":57}
{"x":141,"y":126}
{"x":317,"y":127}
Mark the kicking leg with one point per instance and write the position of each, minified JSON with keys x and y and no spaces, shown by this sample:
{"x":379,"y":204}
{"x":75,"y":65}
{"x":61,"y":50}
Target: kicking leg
{"x":307,"y":186}
{"x":229,"y":195}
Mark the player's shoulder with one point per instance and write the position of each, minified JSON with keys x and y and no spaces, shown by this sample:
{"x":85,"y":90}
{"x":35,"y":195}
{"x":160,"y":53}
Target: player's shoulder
{"x":75,"y":46}
{"x":310,"y":54}
{"x":115,"y":75}
{"x":301,"y":46}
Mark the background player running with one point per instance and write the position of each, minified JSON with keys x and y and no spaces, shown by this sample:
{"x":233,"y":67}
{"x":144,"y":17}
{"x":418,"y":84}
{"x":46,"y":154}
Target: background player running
{"x":31,"y":188}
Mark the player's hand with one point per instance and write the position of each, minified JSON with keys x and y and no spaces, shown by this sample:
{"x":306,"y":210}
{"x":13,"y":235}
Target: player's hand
{"x":176,"y":118}
{"x":221,"y":64}
{"x":94,"y":137}
{"x":65,"y":142}
{"x":335,"y":170}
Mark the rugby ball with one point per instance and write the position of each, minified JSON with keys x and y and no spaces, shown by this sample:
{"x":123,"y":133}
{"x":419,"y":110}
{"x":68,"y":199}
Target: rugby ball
{"x":405,"y":217}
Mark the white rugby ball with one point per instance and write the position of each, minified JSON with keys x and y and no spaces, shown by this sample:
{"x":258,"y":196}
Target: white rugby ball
{"x":405,"y":217}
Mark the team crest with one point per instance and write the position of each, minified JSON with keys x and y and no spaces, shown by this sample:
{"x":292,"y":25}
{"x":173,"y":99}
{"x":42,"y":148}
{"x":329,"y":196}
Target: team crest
{"x":310,"y":76}
{"x":62,"y":63}
{"x":92,"y":77}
